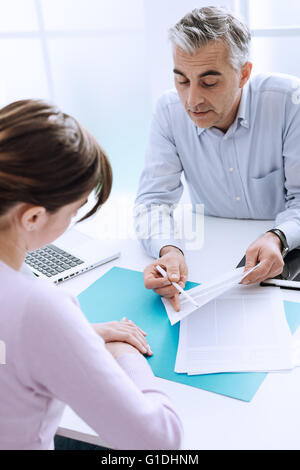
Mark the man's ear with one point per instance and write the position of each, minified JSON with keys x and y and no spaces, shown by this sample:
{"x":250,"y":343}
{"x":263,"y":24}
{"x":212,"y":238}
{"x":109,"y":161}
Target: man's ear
{"x":245,"y":73}
{"x":33,"y":217}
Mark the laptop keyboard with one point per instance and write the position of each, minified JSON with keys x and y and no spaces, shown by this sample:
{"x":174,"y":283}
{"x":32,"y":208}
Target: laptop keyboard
{"x":51,"y":260}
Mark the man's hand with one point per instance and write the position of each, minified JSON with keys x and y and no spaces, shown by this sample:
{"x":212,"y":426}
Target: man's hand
{"x":173,"y":262}
{"x":267,"y":251}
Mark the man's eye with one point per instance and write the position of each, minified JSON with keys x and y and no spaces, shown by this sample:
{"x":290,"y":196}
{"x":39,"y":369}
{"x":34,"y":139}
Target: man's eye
{"x":183,"y":83}
{"x":208,"y":85}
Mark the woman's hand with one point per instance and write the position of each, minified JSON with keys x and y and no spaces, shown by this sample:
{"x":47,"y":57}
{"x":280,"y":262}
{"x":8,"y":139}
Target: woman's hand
{"x":124,"y":331}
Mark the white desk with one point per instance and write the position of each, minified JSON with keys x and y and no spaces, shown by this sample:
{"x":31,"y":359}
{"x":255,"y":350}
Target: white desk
{"x":211,"y":421}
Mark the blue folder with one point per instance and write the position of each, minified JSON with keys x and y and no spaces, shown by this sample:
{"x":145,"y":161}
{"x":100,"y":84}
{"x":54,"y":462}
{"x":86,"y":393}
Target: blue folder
{"x":121,"y":292}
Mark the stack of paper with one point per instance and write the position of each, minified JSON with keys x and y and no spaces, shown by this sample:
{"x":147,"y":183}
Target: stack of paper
{"x":241,"y":330}
{"x":205,"y":293}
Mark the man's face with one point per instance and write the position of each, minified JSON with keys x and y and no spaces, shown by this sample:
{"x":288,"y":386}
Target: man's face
{"x":208,"y":86}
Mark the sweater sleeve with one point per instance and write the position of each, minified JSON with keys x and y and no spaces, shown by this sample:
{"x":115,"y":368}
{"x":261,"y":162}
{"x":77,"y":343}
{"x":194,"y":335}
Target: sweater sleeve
{"x":64,"y":358}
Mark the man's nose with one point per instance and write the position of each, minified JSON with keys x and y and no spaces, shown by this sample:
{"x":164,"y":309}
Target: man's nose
{"x":195,"y":97}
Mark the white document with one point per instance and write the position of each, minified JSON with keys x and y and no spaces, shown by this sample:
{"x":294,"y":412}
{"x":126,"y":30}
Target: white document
{"x":243,"y":330}
{"x":205,"y":293}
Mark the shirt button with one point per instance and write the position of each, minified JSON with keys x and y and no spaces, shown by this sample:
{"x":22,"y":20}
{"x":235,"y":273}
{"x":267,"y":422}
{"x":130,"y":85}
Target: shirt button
{"x":245,"y":122}
{"x":231,"y":170}
{"x":238,"y":198}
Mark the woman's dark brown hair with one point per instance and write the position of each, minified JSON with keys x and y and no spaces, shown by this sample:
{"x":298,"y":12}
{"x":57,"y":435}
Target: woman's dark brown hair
{"x":48,"y":159}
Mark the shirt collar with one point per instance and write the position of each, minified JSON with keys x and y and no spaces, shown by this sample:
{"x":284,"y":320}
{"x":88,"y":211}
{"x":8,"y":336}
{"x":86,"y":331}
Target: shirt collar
{"x":244,"y":108}
{"x":243,"y":114}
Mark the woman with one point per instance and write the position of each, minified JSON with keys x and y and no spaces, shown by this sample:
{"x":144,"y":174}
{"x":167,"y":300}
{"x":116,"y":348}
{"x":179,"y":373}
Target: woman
{"x":49,"y":165}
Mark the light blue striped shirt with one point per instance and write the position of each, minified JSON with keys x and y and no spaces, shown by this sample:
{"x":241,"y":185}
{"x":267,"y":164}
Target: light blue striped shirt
{"x":250,"y":172}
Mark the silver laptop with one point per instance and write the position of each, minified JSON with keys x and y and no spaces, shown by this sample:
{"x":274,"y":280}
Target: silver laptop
{"x":70,"y":255}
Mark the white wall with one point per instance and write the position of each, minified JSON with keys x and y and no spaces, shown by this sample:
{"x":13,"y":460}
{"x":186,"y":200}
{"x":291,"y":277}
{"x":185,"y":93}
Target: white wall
{"x":275,"y":51}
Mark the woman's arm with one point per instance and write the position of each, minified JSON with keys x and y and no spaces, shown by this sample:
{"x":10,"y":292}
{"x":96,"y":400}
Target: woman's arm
{"x":120,"y":399}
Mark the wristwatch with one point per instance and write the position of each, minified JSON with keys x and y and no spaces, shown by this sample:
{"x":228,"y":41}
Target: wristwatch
{"x":282,"y":238}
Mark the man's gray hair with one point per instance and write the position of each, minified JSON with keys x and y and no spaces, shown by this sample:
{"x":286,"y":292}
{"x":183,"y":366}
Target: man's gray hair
{"x":207,"y":24}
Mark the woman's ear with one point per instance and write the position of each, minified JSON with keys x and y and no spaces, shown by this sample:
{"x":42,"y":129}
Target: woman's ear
{"x":33,"y":218}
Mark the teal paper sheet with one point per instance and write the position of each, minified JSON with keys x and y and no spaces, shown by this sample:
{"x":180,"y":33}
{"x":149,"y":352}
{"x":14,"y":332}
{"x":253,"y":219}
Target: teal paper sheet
{"x":121,"y":292}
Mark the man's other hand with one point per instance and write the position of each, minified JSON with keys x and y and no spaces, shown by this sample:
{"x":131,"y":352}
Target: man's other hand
{"x":173,"y":262}
{"x":267,"y":251}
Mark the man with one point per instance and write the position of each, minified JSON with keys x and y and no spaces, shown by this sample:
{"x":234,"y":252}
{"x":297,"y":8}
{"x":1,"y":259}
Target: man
{"x":236,"y":140}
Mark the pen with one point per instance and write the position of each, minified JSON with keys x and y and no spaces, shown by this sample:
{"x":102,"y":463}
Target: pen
{"x":177,"y":286}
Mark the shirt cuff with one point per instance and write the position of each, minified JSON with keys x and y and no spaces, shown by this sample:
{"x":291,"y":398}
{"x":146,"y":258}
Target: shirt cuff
{"x":137,"y":368}
{"x":291,"y":230}
{"x":157,"y":245}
